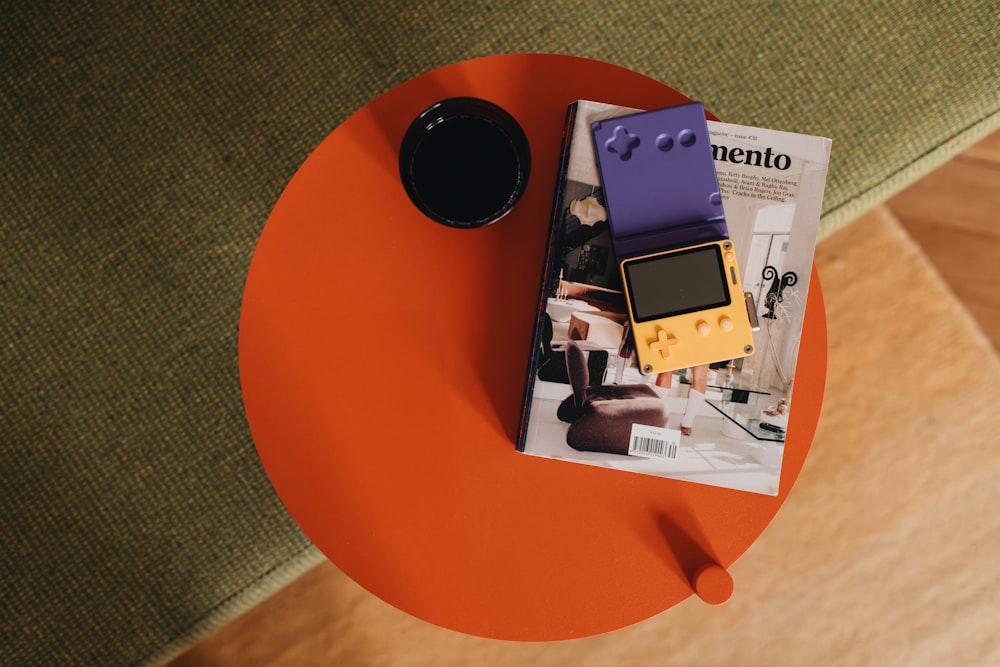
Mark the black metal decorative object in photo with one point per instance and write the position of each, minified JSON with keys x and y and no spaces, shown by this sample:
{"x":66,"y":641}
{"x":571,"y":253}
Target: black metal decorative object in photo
{"x":774,"y":294}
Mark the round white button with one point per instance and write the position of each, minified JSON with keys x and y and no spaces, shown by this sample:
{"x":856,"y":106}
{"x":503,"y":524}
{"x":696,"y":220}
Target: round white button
{"x":703,"y":328}
{"x":725,"y":323}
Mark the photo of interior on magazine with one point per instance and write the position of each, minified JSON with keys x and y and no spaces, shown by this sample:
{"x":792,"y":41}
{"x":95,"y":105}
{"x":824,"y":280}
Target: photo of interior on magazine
{"x":722,"y":424}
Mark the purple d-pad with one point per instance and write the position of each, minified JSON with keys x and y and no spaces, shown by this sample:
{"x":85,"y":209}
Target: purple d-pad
{"x":659,"y":180}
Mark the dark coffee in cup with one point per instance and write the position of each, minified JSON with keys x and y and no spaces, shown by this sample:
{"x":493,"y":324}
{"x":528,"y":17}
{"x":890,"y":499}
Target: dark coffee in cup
{"x":464,"y":162}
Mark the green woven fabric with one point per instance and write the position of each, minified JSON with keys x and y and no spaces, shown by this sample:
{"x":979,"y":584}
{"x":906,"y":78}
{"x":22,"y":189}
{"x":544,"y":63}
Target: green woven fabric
{"x":144,"y":145}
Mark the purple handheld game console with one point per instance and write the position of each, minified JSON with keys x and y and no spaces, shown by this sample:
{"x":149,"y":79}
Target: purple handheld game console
{"x":678,"y":266}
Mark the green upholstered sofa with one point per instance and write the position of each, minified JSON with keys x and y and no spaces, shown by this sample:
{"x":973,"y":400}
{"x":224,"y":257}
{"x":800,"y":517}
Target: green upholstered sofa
{"x":144,"y":145}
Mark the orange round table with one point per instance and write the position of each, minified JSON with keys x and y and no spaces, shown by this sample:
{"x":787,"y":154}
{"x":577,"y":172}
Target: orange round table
{"x":382,"y":360}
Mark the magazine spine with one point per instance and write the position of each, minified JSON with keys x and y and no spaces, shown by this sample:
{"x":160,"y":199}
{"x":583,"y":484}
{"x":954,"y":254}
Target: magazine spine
{"x":546,"y":279}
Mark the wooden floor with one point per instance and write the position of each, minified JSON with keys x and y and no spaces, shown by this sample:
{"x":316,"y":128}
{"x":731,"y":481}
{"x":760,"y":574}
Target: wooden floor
{"x":953,"y":215}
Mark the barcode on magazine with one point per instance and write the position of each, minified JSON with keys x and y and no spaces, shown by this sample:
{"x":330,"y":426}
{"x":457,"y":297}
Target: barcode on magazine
{"x":654,"y":442}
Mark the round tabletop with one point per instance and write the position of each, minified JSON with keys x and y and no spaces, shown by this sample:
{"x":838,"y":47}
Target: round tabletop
{"x":383,"y":360}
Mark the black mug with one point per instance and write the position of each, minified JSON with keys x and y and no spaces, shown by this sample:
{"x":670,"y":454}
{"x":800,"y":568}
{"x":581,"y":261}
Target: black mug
{"x":464,"y":162}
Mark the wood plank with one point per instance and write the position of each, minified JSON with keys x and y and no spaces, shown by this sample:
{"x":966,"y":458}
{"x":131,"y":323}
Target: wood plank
{"x":962,"y":194}
{"x":954,"y":215}
{"x":968,"y":264}
{"x":987,"y":150}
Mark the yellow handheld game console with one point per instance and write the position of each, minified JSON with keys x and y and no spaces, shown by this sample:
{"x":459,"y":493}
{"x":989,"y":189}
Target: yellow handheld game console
{"x":687,"y":307}
{"x":678,"y":266}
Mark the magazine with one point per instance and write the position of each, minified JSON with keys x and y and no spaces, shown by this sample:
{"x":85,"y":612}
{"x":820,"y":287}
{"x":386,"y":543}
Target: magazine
{"x":723,"y":424}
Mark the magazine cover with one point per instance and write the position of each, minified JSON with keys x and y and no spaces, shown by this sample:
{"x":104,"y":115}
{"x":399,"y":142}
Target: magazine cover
{"x":722,"y":424}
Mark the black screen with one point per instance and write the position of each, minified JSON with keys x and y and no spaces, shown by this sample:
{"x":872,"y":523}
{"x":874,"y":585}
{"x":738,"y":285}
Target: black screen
{"x":676,"y":283}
